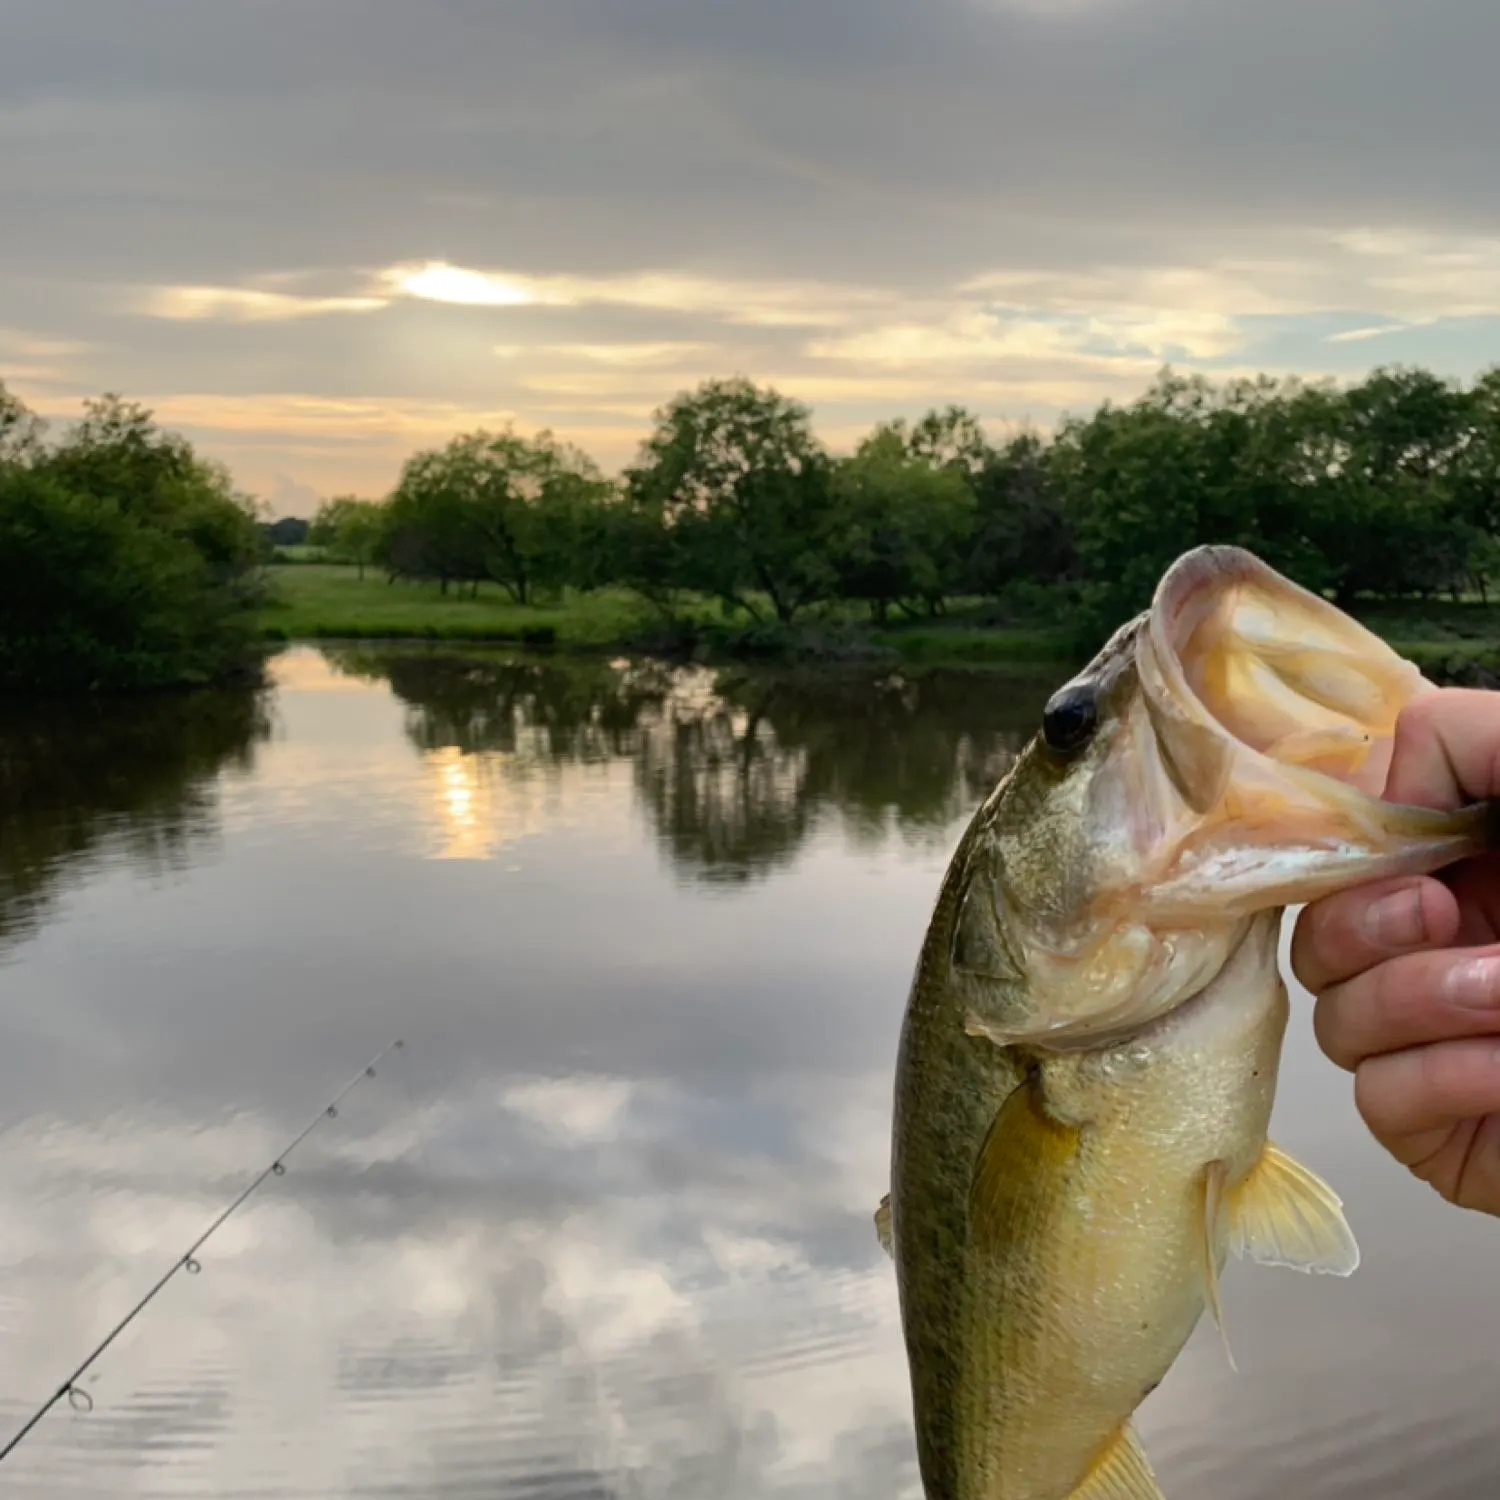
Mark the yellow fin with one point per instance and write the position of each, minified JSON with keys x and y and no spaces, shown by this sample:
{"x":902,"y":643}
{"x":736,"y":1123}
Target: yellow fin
{"x":1284,"y":1215}
{"x":883,"y":1226}
{"x":1121,"y":1473}
{"x":1019,"y":1167}
{"x":1215,"y":1175}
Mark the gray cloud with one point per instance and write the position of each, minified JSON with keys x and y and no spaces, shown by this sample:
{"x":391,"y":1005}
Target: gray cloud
{"x":894,"y":148}
{"x":783,"y":138}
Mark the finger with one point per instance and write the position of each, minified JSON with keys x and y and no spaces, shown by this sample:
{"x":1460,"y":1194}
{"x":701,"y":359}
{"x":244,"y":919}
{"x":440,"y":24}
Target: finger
{"x":1475,"y":884}
{"x":1352,"y":930}
{"x":1447,"y":749}
{"x":1409,"y":1001}
{"x":1412,"y":1100}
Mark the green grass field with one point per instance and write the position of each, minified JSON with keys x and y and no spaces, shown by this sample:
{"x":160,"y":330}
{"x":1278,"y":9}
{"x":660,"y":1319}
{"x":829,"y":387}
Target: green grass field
{"x":330,"y":601}
{"x":1445,"y":639}
{"x":324,"y":601}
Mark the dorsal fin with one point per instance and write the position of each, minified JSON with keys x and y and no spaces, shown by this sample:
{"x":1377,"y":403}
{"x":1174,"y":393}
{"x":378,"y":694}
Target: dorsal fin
{"x":883,"y":1226}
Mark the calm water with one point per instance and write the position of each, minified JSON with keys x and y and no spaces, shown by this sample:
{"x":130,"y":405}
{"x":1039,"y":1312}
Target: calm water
{"x":603,"y":1230}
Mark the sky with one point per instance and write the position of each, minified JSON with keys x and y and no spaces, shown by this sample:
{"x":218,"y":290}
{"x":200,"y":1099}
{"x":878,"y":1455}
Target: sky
{"x":317,"y":237}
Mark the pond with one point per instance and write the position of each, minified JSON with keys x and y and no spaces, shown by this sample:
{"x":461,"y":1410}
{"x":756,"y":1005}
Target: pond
{"x":603,"y":1227}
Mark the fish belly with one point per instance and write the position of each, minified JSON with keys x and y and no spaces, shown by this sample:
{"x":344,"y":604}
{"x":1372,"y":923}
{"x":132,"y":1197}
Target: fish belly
{"x":1086,"y":1260}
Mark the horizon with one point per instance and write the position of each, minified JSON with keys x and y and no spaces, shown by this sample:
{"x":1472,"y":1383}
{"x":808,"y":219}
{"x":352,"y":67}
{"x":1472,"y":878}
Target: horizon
{"x":317,"y":245}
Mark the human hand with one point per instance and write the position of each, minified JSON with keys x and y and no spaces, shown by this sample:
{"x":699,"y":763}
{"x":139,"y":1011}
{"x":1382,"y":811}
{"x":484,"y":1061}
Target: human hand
{"x":1407,"y":972}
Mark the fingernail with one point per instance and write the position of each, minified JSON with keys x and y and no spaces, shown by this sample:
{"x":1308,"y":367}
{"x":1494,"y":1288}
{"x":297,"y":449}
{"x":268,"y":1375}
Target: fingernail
{"x":1474,"y":982}
{"x":1396,"y":921}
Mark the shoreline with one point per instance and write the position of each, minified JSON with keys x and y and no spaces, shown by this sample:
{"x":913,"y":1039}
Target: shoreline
{"x":329,"y":604}
{"x":1476,"y":664}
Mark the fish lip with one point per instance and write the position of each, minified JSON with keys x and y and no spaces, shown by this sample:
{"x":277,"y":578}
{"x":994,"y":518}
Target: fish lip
{"x":1215,"y":565}
{"x":1189,"y":590}
{"x":1196,"y":578}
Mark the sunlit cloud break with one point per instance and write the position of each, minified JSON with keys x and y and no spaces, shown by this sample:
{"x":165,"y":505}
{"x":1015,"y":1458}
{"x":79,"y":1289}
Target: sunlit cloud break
{"x":768,"y":303}
{"x":247,"y":305}
{"x":440,"y":282}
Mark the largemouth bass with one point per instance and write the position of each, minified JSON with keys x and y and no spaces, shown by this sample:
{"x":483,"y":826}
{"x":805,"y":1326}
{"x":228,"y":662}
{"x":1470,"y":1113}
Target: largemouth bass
{"x":1089,"y":1055}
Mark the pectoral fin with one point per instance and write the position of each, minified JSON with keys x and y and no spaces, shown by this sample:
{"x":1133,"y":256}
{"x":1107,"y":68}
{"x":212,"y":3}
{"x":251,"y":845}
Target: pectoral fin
{"x":883,"y":1226}
{"x":1214,"y":1178}
{"x":1284,"y":1215}
{"x":1021,"y":1165}
{"x":1121,"y":1472}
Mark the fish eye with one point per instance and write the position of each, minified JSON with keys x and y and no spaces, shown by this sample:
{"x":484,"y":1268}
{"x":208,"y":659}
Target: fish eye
{"x":1070,"y":718}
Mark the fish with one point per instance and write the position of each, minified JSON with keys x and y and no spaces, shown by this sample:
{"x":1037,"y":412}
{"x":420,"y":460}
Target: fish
{"x":1088,"y":1058}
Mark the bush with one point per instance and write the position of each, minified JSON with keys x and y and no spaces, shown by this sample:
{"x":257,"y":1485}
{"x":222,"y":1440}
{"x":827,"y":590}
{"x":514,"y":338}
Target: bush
{"x":125,"y":562}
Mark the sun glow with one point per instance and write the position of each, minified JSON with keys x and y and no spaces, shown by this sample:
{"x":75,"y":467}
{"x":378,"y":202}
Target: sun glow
{"x":437,"y":281}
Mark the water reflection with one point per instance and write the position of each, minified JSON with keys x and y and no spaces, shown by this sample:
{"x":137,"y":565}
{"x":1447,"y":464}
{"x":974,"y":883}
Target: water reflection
{"x":605,"y":1230}
{"x":608,"y":1233}
{"x":83,"y":783}
{"x":735,"y":770}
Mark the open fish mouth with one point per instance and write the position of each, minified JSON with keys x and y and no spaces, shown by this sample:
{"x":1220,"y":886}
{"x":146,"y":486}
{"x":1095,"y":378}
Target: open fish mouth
{"x":1223,"y":756}
{"x":1274,"y":715}
{"x":1233,"y":648}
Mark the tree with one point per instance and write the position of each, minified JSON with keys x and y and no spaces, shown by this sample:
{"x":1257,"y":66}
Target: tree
{"x":21,"y":429}
{"x":288,"y":531}
{"x":1383,"y":505}
{"x":126,"y":560}
{"x":1021,"y":535}
{"x":155,"y":477}
{"x":349,"y":530}
{"x":94,"y":598}
{"x":735,"y":478}
{"x":950,"y":438}
{"x":492,"y":506}
{"x":901,"y":521}
{"x":1475,"y":466}
{"x":1185,"y":464}
{"x":1131,"y":484}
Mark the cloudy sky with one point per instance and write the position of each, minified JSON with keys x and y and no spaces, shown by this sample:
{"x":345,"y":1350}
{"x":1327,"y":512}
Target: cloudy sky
{"x":316,"y":236}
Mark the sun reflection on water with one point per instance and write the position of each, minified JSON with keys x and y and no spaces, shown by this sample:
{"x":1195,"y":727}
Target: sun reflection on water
{"x":465,"y":805}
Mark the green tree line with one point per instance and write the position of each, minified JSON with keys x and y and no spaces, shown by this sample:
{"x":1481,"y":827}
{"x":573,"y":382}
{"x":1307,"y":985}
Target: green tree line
{"x":1389,"y":488}
{"x":127,"y":560}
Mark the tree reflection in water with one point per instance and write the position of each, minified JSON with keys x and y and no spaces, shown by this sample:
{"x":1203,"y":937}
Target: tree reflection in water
{"x":86,"y":780}
{"x":737,"y":769}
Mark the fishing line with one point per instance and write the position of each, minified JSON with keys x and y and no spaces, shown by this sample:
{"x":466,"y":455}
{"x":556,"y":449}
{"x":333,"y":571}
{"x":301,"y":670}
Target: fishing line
{"x":78,"y":1398}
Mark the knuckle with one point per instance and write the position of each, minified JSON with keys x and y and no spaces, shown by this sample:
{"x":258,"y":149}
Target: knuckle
{"x":1418,"y":718}
{"x":1321,"y":940}
{"x":1333,"y":1031}
{"x":1396,"y":1093}
{"x":1371,"y":1091}
{"x":1395,"y":999}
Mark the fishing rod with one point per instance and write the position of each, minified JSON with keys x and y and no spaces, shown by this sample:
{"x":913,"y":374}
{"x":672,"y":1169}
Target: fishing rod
{"x":78,"y":1398}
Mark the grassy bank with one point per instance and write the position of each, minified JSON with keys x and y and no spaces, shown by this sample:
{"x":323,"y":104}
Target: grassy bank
{"x":325,"y":601}
{"x":315,"y":601}
{"x":1451,"y":642}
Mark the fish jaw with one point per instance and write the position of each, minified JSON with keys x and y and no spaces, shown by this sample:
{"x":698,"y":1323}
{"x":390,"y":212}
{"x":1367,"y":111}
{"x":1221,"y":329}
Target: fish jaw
{"x":1246,"y":726}
{"x":1272,"y":718}
{"x":1249,"y":659}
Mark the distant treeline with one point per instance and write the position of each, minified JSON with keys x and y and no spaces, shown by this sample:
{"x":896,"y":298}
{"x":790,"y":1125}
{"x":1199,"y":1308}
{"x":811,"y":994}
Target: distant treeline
{"x":127,"y":561}
{"x":1389,"y":488}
